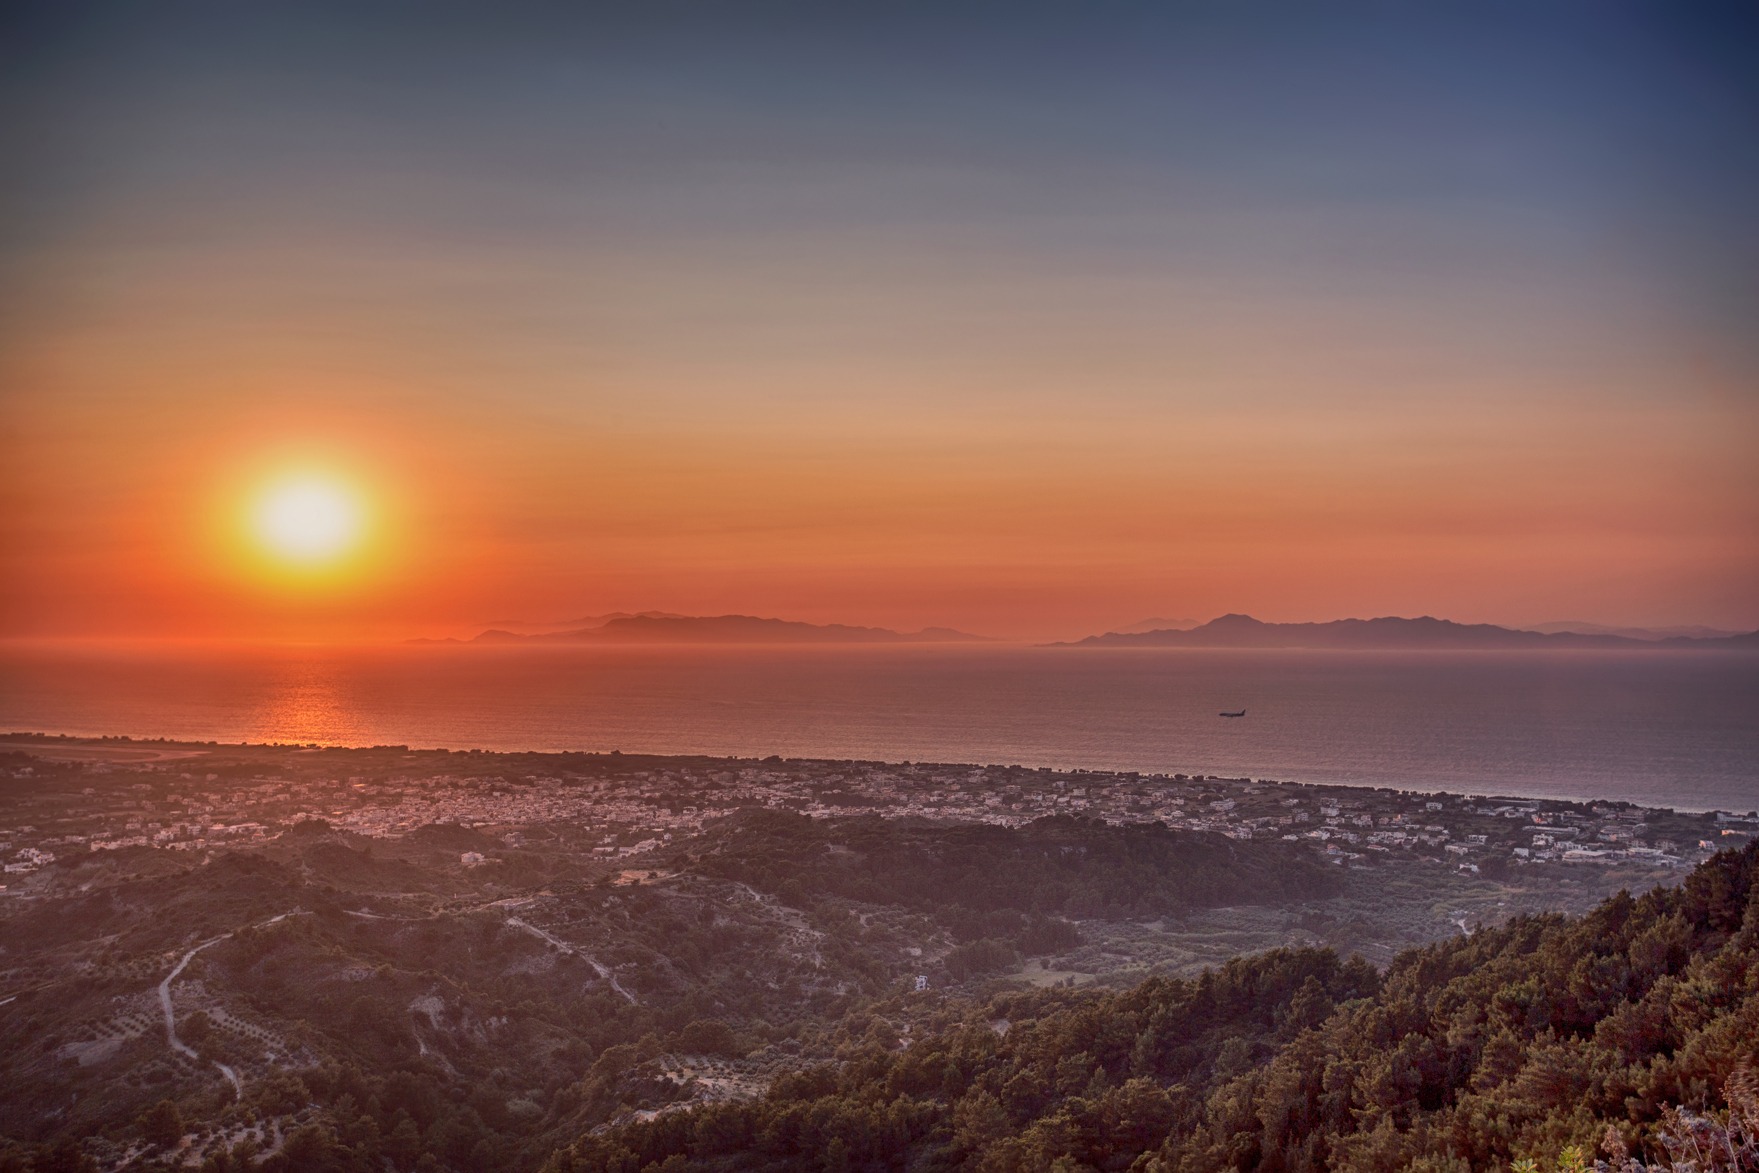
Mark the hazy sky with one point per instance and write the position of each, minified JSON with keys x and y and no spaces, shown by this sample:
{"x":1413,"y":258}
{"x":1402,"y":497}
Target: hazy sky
{"x":1028,"y":319}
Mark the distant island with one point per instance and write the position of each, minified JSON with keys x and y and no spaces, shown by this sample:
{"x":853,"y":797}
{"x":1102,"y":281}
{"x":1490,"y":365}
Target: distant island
{"x":1158,"y":624}
{"x":1426,"y":632}
{"x":528,"y":627}
{"x":1582,"y":627}
{"x":659,"y":628}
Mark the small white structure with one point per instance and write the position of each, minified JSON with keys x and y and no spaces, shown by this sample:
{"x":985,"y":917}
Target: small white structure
{"x":921,"y":982}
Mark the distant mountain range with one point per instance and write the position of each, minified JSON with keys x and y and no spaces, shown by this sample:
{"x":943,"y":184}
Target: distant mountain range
{"x":530,"y":627}
{"x":1159,"y":625}
{"x":1690,"y":631}
{"x":1229,"y":631}
{"x":660,"y":628}
{"x":1243,"y":631}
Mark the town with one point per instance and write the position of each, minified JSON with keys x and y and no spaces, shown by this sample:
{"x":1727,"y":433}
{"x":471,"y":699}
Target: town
{"x":85,"y":795}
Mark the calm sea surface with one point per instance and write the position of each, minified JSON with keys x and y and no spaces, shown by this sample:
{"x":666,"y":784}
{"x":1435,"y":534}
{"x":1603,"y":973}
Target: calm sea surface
{"x":1663,"y":728}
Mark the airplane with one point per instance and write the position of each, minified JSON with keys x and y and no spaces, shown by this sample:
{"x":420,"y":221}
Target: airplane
{"x":1241,"y":713}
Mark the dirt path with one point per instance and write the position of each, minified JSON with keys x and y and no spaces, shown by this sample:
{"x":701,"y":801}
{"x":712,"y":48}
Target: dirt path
{"x":603,"y":970}
{"x":177,"y":1044}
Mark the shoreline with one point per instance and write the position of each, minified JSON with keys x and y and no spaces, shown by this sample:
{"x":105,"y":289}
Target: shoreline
{"x":157,"y":755}
{"x":121,"y":748}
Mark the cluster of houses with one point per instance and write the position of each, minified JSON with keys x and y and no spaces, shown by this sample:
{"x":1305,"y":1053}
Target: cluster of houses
{"x":618,"y":810}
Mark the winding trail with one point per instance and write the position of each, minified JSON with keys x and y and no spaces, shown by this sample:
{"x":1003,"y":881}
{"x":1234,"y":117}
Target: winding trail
{"x":603,"y":970}
{"x":177,"y":1044}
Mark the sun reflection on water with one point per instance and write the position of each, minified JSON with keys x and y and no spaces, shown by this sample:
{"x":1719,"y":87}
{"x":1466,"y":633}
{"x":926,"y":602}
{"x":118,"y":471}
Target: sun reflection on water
{"x":302,"y":702}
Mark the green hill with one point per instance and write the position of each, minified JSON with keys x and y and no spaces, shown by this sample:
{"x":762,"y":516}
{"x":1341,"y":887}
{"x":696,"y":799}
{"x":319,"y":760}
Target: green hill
{"x":1545,"y":1038}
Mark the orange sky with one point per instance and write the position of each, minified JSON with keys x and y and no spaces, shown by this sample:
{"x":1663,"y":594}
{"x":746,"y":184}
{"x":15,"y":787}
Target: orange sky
{"x":1042,"y":522}
{"x":1021,"y":369}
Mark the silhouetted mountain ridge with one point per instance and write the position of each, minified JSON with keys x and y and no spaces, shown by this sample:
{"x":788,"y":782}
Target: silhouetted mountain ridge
{"x":1388,"y":632}
{"x":1583,"y":627}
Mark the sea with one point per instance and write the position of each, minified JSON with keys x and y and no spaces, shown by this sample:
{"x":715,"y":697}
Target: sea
{"x":1658,"y":728}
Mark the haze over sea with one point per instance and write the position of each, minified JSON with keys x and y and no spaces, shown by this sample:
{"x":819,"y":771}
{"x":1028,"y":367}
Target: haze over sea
{"x":1676,"y":729}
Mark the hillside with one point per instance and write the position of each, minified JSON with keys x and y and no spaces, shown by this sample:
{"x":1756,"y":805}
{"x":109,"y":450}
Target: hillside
{"x":379,"y":989}
{"x":1622,"y":1031}
{"x":292,"y":958}
{"x":536,"y":993}
{"x":1054,"y":866}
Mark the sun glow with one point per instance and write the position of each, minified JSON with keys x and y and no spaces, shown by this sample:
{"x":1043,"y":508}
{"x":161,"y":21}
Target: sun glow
{"x":308,"y":522}
{"x":303,"y":538}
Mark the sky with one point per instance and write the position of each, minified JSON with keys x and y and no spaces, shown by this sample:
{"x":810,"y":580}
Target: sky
{"x":1028,"y":319}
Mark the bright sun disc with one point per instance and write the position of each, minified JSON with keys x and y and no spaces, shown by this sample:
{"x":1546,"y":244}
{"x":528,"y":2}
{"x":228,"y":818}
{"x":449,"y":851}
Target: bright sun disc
{"x":308,"y":521}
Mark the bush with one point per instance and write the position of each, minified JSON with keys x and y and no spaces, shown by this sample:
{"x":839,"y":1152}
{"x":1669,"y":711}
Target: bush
{"x":708,"y":1036}
{"x":162,"y":1125}
{"x":981,"y":957}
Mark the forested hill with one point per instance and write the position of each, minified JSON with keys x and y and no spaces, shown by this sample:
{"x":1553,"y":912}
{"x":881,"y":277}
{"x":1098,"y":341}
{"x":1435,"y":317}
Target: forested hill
{"x":1055,"y":866}
{"x":1546,"y":1038}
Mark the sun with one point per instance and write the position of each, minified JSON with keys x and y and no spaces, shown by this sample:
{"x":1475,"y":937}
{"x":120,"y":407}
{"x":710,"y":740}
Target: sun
{"x":306,"y":529}
{"x":308,"y":521}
